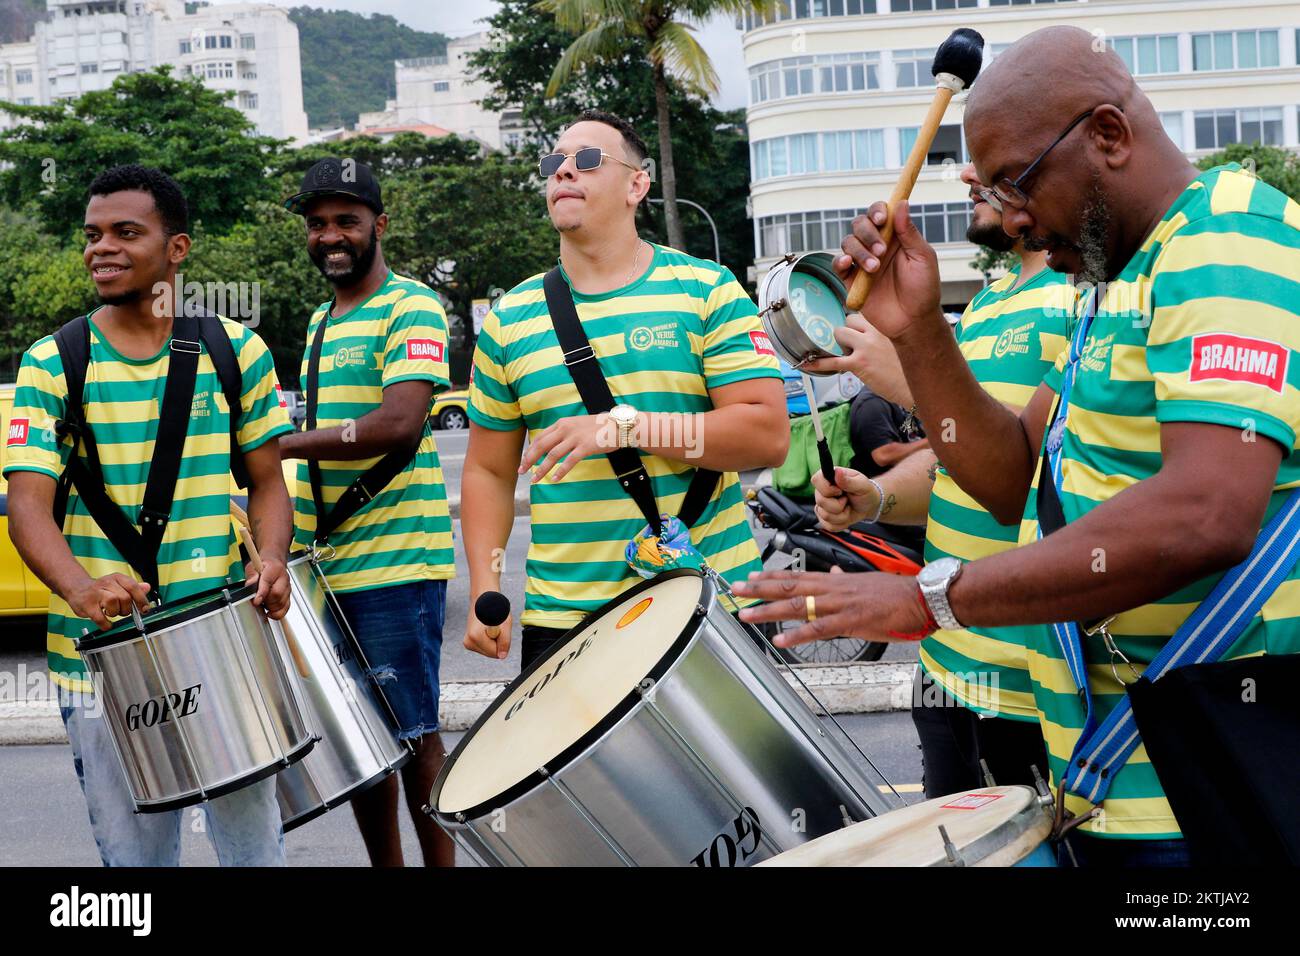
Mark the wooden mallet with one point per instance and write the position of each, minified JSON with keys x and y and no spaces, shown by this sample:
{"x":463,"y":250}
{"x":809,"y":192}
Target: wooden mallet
{"x":956,"y":64}
{"x":291,"y":639}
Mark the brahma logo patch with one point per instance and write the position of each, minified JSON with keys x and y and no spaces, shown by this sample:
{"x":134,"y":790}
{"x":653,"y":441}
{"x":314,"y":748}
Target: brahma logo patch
{"x":430,"y":349}
{"x":17,"y":432}
{"x":279,"y":394}
{"x":1235,"y":358}
{"x":762,"y":344}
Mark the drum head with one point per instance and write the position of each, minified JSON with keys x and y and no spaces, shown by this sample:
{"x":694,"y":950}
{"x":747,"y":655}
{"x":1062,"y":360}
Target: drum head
{"x":817,"y":309}
{"x":993,"y":826}
{"x":167,"y":615}
{"x":573,"y":695}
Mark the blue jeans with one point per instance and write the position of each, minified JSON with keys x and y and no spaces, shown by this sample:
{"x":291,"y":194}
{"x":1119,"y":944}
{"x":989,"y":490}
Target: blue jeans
{"x":399,"y":629}
{"x":244,"y":826}
{"x":1099,"y":853}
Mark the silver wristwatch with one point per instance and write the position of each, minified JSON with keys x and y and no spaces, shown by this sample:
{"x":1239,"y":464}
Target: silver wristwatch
{"x":935,"y":579}
{"x":625,"y":417}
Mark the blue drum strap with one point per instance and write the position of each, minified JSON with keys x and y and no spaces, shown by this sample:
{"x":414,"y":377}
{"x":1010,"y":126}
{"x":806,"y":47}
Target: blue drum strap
{"x":1203,"y":638}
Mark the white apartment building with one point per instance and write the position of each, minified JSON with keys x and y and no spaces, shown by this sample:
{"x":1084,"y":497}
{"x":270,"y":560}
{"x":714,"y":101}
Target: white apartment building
{"x":442,"y":91}
{"x":839,"y":87}
{"x":250,"y":50}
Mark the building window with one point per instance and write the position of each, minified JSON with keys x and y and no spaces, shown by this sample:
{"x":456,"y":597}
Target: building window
{"x":248,"y":75}
{"x":1215,"y":129}
{"x":948,"y":144}
{"x":942,"y":221}
{"x":1173,"y":124}
{"x":909,"y":6}
{"x":1240,"y":50}
{"x":1148,"y":54}
{"x":831,"y":152}
{"x":1023,"y":3}
{"x":209,"y":43}
{"x":247,"y":41}
{"x":807,"y":75}
{"x":804,"y":231}
{"x":22,"y":77}
{"x":90,"y":68}
{"x":912,"y":67}
{"x":217,"y":71}
{"x":227,"y":42}
{"x":248,"y":101}
{"x":185,"y":47}
{"x":441,"y":86}
{"x":24,"y":101}
{"x":808,"y":9}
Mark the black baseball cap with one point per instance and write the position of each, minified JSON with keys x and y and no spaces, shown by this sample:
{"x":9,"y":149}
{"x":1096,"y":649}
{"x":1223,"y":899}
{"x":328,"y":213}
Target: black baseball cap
{"x":338,"y":177}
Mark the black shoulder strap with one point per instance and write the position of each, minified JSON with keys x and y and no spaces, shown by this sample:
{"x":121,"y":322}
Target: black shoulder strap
{"x":1051,"y":516}
{"x":593,"y":389}
{"x":224,"y":360}
{"x":73,"y":342}
{"x":367,"y":485}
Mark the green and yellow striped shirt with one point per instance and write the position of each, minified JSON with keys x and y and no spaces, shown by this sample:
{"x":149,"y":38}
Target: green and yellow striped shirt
{"x":121,"y":401}
{"x":1202,"y":325}
{"x":403,"y":534}
{"x":684,"y":327}
{"x":1011,"y":338}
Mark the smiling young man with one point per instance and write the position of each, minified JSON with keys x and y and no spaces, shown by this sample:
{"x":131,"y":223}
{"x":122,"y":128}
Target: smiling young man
{"x":973,"y":699}
{"x":1179,"y":436}
{"x":135,"y":241}
{"x":680,"y":345}
{"x":370,"y":490}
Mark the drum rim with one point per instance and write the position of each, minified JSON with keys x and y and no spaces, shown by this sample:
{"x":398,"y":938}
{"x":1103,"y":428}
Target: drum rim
{"x":602,"y":727}
{"x":125,"y":631}
{"x":819,"y":266}
{"x":230,"y":786}
{"x":329,"y":803}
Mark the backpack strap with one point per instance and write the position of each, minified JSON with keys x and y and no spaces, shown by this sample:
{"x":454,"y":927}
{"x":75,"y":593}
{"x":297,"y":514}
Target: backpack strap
{"x":224,"y":360}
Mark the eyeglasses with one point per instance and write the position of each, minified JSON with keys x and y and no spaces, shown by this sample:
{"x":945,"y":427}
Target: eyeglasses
{"x":1009,"y":193}
{"x":585,"y":159}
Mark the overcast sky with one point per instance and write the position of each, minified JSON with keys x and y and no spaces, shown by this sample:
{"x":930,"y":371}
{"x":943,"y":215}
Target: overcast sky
{"x":458,"y":18}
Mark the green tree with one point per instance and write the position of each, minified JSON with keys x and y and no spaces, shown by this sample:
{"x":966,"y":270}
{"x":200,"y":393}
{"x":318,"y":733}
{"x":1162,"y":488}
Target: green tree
{"x":178,"y":125}
{"x":1278,"y":167}
{"x":670,"y":47}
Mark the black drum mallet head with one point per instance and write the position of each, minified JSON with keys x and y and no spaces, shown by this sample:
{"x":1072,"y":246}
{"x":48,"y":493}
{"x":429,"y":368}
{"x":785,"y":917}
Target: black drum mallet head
{"x":960,"y":55}
{"x":491,"y":608}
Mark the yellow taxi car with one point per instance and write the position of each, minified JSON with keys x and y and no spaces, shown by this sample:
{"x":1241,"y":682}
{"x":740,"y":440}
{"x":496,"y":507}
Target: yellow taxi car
{"x":449,"y":409}
{"x":21,"y":592}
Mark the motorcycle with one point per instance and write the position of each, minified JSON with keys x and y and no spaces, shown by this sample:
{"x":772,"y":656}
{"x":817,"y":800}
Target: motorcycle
{"x":861,"y":547}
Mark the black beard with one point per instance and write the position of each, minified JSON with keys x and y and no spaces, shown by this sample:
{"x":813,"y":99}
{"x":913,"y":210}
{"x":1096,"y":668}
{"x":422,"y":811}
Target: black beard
{"x":990,"y":237}
{"x":361,"y":262}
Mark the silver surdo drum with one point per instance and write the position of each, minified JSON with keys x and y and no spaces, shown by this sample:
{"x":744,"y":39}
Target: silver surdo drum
{"x":198,"y":698}
{"x":656,"y":732}
{"x":358,"y":743}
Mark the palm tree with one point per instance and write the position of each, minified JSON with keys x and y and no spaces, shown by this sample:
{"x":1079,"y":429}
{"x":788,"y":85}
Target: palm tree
{"x":603,"y":27}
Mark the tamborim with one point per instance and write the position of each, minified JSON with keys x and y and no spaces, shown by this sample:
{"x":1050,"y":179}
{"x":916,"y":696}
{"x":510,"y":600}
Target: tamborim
{"x":358,"y":743}
{"x":656,"y":732}
{"x":198,"y":699}
{"x":801,"y":303}
{"x":994,"y":826}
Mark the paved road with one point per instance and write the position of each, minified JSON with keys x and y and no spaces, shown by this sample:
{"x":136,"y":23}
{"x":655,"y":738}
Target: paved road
{"x":43,"y":817}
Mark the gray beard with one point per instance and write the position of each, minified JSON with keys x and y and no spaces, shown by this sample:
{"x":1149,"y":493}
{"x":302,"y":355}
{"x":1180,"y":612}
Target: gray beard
{"x":1094,"y":230}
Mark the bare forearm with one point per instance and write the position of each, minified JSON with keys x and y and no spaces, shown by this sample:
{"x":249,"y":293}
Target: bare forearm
{"x":980,"y":442}
{"x":906,"y":488}
{"x":733,"y":438}
{"x":375,"y":433}
{"x":486,"y":516}
{"x":45,"y":551}
{"x":270,"y":517}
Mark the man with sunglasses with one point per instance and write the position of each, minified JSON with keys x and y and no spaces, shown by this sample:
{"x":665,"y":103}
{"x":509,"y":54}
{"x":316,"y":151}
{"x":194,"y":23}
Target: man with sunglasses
{"x":1179,"y":437}
{"x":697,"y":385}
{"x":973,"y":699}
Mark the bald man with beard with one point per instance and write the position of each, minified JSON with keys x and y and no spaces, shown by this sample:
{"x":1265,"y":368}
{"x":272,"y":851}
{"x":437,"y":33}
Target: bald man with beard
{"x":1179,"y":438}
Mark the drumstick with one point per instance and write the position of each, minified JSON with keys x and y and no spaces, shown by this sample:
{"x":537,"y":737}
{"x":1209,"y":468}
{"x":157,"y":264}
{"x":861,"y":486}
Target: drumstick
{"x":246,"y":535}
{"x":956,"y":64}
{"x":823,"y":449}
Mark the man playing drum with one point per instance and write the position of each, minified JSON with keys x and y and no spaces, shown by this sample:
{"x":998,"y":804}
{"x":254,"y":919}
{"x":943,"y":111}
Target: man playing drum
{"x":973,"y":700}
{"x":1178,"y":438}
{"x":680,"y":345}
{"x":135,"y":241}
{"x":376,"y":354}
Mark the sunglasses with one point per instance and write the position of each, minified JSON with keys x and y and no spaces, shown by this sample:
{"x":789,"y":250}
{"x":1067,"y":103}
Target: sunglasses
{"x":585,"y":159}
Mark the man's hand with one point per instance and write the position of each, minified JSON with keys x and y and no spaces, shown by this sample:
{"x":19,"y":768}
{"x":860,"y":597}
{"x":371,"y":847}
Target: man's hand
{"x":110,"y":596}
{"x":569,"y":440}
{"x":272,"y":587}
{"x":871,"y":605}
{"x":906,"y":284}
{"x":870,"y":356}
{"x":851,"y":499}
{"x":892,"y":452}
{"x":478,"y":641}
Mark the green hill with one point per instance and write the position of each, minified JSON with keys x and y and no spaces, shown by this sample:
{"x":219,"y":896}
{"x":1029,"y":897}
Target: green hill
{"x":18,"y":19}
{"x":347,"y":60}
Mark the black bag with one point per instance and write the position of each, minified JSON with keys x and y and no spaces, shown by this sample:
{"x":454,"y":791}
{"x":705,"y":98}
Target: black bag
{"x":1224,"y":738}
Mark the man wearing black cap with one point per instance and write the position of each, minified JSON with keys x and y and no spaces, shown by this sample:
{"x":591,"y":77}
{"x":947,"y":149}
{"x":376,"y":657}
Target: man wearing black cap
{"x":370,"y":490}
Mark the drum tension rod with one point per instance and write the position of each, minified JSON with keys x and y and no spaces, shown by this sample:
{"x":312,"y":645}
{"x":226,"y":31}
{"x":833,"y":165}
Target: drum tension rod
{"x":950,"y":849}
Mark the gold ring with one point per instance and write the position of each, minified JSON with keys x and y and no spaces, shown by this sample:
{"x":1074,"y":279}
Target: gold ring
{"x":810,"y":605}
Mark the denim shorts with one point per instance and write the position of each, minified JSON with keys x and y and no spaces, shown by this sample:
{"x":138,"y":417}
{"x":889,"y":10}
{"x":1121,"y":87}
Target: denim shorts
{"x":399,"y":629}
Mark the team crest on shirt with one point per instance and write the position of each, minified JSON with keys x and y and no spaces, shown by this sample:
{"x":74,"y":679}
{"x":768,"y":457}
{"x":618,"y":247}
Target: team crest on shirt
{"x":1096,"y":353}
{"x":646,"y":337}
{"x":18,"y":429}
{"x":1014,"y":341}
{"x":350,"y":355}
{"x":199,"y":406}
{"x":1235,"y":358}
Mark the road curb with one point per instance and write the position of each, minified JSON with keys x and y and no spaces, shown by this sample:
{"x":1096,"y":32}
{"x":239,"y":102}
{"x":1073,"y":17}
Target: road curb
{"x":841,"y":688}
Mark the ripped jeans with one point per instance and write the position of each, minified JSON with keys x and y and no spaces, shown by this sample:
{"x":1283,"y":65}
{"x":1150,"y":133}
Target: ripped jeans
{"x":400,"y":632}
